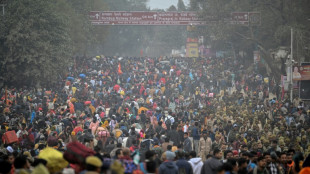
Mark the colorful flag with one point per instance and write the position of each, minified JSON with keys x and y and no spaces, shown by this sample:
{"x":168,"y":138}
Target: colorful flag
{"x":119,"y":69}
{"x":6,"y":96}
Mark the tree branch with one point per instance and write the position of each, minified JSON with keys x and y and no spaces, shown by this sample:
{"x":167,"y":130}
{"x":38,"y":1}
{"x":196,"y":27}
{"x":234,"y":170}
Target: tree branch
{"x":276,"y":71}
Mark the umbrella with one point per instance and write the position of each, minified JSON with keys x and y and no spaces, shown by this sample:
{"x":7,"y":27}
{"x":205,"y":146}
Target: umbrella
{"x":82,"y":76}
{"x":70,"y":78}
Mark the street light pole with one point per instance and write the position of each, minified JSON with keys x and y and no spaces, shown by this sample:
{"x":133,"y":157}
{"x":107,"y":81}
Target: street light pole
{"x":291,"y":67}
{"x":2,"y":8}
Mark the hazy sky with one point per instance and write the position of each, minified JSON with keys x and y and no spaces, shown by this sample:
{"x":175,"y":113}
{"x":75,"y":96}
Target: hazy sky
{"x":164,"y":4}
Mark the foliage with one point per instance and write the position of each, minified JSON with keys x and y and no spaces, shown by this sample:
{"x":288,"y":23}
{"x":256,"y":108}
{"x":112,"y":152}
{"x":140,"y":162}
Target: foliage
{"x":181,"y":5}
{"x":35,"y":43}
{"x":193,"y":5}
{"x":172,"y":8}
{"x":83,"y":35}
{"x":38,"y":39}
{"x":277,"y":17}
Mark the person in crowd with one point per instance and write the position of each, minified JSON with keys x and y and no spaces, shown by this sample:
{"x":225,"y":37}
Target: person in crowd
{"x":149,"y":166}
{"x":118,"y":154}
{"x":94,"y":125}
{"x":149,"y":131}
{"x":93,"y":165}
{"x":212,"y":164}
{"x":183,"y":165}
{"x":132,"y":137}
{"x":251,"y":157}
{"x":232,"y":134}
{"x":231,"y":166}
{"x":205,"y":145}
{"x":228,"y":154}
{"x":168,"y":166}
{"x":181,"y":133}
{"x":173,"y":135}
{"x":261,"y":166}
{"x":196,"y":137}
{"x":5,"y":167}
{"x":242,"y":165}
{"x":187,"y":145}
{"x":166,"y":144}
{"x":196,"y":162}
{"x":22,"y":165}
{"x":126,"y":154}
{"x":272,"y":164}
{"x":290,"y":162}
{"x":118,"y":109}
{"x":282,"y":162}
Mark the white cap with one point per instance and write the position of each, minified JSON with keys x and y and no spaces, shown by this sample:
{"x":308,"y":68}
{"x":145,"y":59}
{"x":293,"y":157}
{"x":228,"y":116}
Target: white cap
{"x":10,"y":149}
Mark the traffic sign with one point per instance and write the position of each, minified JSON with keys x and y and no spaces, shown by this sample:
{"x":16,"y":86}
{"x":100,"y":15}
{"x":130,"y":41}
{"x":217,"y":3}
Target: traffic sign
{"x":167,"y":18}
{"x":246,"y":18}
{"x":145,"y":18}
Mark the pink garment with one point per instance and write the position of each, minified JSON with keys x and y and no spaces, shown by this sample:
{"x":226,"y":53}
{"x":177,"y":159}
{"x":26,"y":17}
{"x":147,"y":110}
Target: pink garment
{"x":93,"y":126}
{"x":102,"y":114}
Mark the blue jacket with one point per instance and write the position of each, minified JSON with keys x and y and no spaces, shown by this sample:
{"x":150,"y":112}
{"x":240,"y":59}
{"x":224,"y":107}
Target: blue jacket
{"x":158,"y":116}
{"x":184,"y":166}
{"x":195,"y":133}
{"x":168,"y":167}
{"x":187,"y":145}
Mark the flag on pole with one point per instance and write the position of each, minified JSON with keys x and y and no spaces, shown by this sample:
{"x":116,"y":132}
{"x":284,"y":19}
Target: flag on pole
{"x":6,"y":96}
{"x":119,"y":69}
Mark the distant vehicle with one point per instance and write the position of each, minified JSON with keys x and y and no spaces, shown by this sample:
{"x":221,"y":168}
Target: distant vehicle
{"x":163,"y":64}
{"x":179,"y":63}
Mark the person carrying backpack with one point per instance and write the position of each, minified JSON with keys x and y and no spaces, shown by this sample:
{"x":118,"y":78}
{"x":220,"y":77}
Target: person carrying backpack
{"x":159,"y":130}
{"x":131,"y":138}
{"x":169,"y":120}
{"x":149,"y":166}
{"x":173,"y":135}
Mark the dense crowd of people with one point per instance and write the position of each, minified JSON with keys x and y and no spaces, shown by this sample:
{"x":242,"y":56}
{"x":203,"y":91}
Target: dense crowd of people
{"x":155,"y":115}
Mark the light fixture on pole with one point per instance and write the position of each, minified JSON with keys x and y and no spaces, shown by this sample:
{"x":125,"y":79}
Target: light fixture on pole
{"x":291,"y":68}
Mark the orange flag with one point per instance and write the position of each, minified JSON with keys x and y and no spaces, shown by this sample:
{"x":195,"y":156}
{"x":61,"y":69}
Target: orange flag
{"x":119,"y":69}
{"x":6,"y":96}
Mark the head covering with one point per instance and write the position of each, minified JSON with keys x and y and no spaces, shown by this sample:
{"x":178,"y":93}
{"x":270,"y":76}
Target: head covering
{"x":52,"y":141}
{"x":235,"y":125}
{"x":235,"y":152}
{"x":94,"y":161}
{"x":40,"y":169}
{"x":29,"y":157}
{"x":305,"y":170}
{"x":174,"y":148}
{"x":170,"y":155}
{"x":10,"y":149}
{"x":54,"y":158}
{"x":117,"y":167}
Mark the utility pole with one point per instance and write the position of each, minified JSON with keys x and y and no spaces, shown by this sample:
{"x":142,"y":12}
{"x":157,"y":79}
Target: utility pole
{"x":291,"y":67}
{"x":3,"y":4}
{"x":2,"y":9}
